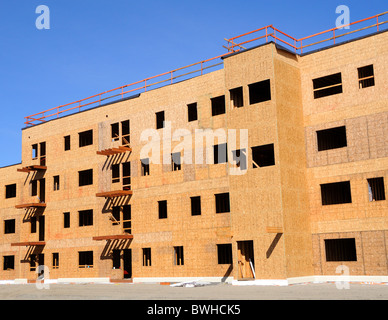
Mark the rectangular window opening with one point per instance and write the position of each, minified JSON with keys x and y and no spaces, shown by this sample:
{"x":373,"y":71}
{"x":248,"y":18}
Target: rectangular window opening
{"x":178,"y":256}
{"x":85,"y":259}
{"x":176,"y":161}
{"x":42,"y":146}
{"x":85,"y":138}
{"x":115,"y":173}
{"x":145,"y":167}
{"x":85,"y":177}
{"x":34,"y":188}
{"x":67,"y":143}
{"x":195,"y":206}
{"x":85,"y":218}
{"x":33,"y":260}
{"x":33,"y":224}
{"x":127,"y":220}
{"x":66,"y":219}
{"x":336,"y":193}
{"x":9,"y":226}
{"x":160,"y":120}
{"x":340,"y":249}
{"x":263,"y":156}
{"x":224,"y":253}
{"x":146,"y":257}
{"x":327,"y":86}
{"x":115,"y":133}
{"x":192,"y":112}
{"x":42,"y":160}
{"x":366,"y":77}
{"x":56,"y":183}
{"x":10,"y":191}
{"x":240,"y":158}
{"x":125,"y":133}
{"x":127,"y":175}
{"x":162,"y":205}
{"x":376,"y":189}
{"x":116,"y":211}
{"x":220,"y":153}
{"x":116,"y":258}
{"x":222,"y":203}
{"x":259,"y":91}
{"x":9,"y":263}
{"x":55,"y":260}
{"x":218,"y":105}
{"x":236,"y":97}
{"x":34,"y":151}
{"x":333,"y":138}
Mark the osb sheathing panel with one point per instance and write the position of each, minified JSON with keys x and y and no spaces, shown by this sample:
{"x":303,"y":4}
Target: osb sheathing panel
{"x":371,"y":250}
{"x":292,"y":164}
{"x":256,"y":197}
{"x":353,"y":102}
{"x":367,"y":138}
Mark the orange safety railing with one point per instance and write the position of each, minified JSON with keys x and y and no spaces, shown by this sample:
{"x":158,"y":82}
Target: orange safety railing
{"x":198,"y":68}
{"x":265,"y":34}
{"x":298,"y":45}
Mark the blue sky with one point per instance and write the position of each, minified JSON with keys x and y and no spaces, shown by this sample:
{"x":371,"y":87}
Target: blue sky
{"x":96,"y":45}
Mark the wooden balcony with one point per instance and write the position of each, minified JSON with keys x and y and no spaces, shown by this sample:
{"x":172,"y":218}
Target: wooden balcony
{"x":30,"y":205}
{"x":114,"y":194}
{"x":28,"y":244}
{"x":32,"y":168}
{"x":114,"y":237}
{"x":113,"y":151}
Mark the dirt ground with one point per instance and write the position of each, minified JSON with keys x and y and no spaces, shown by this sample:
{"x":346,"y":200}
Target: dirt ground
{"x":220,"y":291}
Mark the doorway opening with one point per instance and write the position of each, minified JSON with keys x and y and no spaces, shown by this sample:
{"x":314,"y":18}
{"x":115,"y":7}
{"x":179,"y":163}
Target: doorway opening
{"x":246,"y":261}
{"x":127,"y":261}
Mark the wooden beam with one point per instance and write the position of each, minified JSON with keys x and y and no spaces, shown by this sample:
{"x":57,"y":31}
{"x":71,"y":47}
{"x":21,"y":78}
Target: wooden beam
{"x":113,"y":151}
{"x":32,"y":168}
{"x":114,"y":194}
{"x":28,"y":244}
{"x":30,"y":205}
{"x":114,"y":237}
{"x":107,"y":152}
{"x":124,"y":148}
{"x":103,"y":153}
{"x":274,"y":230}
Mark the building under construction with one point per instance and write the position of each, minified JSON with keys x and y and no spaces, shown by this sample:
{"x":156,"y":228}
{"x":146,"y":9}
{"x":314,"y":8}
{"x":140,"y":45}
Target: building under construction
{"x":301,"y":198}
